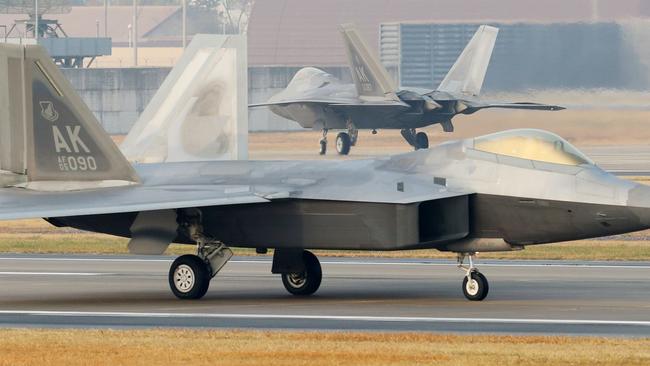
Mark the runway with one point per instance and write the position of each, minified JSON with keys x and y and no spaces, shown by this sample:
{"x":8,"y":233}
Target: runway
{"x":628,"y":160}
{"x":532,"y":297}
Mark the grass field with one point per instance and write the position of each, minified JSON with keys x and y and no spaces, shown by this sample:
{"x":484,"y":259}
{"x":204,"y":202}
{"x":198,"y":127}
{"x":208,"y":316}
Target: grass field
{"x":84,"y":243}
{"x":216,"y":347}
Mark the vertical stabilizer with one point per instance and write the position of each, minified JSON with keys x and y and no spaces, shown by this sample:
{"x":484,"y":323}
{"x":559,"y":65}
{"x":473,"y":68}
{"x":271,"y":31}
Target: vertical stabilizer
{"x":48,"y":133}
{"x":468,"y":72}
{"x":200,"y":111}
{"x":371,"y":79}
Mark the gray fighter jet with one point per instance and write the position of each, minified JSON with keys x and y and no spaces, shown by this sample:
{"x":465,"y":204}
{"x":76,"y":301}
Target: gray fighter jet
{"x":498,"y":192}
{"x":318,"y":100}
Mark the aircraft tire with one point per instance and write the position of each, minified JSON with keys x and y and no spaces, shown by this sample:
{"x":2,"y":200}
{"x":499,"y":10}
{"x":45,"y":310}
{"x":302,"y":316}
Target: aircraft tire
{"x":343,"y":143}
{"x":307,"y":282}
{"x":189,"y":277}
{"x":421,"y":141}
{"x":477,"y":289}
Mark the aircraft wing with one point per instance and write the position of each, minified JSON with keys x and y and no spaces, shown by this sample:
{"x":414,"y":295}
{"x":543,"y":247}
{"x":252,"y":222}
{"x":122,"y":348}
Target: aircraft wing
{"x":474,"y":106}
{"x":333,"y":103}
{"x":285,"y":102}
{"x":20,"y":203}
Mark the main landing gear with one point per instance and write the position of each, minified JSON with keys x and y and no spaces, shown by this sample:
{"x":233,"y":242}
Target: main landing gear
{"x":419,"y":140}
{"x":475,"y":285}
{"x":300,"y":270}
{"x":190,"y":275}
{"x":344,"y":140}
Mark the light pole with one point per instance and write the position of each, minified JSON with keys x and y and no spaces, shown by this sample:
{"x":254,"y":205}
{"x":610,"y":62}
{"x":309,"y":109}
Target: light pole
{"x":184,"y":23}
{"x":105,"y":18}
{"x":135,"y":32}
{"x":36,"y":20}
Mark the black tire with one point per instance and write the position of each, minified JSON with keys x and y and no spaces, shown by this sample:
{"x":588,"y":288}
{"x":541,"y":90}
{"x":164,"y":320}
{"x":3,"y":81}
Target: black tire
{"x":323,"y":147}
{"x":343,"y":143}
{"x":421,"y":141}
{"x":307,"y":282}
{"x":189,"y":277}
{"x":480,"y":287}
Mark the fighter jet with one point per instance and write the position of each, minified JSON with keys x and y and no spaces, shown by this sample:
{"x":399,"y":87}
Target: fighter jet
{"x":498,"y":192}
{"x":320,"y":101}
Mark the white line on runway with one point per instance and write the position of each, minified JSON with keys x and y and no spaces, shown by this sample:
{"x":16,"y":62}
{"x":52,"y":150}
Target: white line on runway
{"x":348,"y":262}
{"x":326,"y":317}
{"x":54,"y":273}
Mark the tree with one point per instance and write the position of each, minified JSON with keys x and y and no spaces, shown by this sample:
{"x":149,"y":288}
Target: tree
{"x":233,"y":13}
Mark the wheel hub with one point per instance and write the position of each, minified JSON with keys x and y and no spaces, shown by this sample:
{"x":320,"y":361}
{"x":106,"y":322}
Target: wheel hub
{"x":472,"y":286}
{"x":297,"y":280}
{"x":184,"y":278}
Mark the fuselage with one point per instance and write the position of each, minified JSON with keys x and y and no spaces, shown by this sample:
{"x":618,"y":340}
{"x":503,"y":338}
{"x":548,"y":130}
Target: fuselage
{"x":315,"y":99}
{"x":467,"y":193}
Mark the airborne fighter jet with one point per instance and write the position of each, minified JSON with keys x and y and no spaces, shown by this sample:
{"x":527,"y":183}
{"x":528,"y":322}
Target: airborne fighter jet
{"x":498,"y":192}
{"x":318,"y":100}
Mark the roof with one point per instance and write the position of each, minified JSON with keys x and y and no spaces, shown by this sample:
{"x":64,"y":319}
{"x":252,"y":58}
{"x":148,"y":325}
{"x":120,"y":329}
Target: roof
{"x":304,"y":32}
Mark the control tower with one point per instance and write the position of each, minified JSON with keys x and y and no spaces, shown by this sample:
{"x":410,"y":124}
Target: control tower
{"x":72,"y":52}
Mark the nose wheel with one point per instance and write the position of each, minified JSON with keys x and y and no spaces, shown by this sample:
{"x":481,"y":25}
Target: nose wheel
{"x":475,"y":284}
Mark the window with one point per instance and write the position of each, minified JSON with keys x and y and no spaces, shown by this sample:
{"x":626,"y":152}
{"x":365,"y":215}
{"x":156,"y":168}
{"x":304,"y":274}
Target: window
{"x":532,"y":145}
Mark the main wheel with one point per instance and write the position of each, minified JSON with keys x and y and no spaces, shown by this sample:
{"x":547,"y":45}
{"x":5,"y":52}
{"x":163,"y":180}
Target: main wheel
{"x":307,"y":282}
{"x":421,"y":141}
{"x":189,"y":277}
{"x":476,"y":287}
{"x":343,"y":143}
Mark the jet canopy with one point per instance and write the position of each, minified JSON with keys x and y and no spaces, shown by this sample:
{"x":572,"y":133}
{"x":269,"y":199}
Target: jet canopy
{"x":532,"y":144}
{"x":309,"y":78}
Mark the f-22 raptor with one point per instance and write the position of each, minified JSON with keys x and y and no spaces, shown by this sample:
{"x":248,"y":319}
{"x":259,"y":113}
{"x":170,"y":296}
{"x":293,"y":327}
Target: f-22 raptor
{"x":498,"y":192}
{"x":318,"y":100}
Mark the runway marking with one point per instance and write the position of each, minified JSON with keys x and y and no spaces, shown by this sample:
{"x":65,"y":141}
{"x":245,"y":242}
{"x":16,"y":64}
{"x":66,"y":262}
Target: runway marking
{"x":346,"y":263}
{"x":393,"y":319}
{"x":54,"y":273}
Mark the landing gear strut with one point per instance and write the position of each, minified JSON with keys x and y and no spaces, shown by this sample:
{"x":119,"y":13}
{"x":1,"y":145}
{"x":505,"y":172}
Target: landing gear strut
{"x":475,"y":285}
{"x":419,"y":140}
{"x":190,"y":275}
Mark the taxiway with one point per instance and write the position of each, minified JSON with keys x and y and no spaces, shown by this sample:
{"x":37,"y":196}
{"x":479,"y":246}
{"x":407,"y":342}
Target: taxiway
{"x":534,"y":297}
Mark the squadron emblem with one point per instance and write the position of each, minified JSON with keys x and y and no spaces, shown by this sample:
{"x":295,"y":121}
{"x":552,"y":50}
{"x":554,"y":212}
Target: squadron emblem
{"x":48,"y":112}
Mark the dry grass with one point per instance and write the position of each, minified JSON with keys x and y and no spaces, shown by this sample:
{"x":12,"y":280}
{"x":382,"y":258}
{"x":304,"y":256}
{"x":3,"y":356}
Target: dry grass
{"x":581,"y":127}
{"x":219,"y":347}
{"x":84,"y":243}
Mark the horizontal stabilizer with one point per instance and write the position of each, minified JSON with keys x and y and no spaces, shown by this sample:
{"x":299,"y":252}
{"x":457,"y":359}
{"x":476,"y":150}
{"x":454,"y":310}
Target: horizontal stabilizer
{"x":468,"y":72}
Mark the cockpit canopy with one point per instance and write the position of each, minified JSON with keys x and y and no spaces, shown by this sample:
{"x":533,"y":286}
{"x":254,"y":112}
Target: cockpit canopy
{"x":309,"y":78}
{"x":532,"y":144}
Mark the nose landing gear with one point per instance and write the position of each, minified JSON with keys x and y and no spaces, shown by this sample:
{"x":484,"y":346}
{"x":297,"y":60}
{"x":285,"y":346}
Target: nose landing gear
{"x":475,"y":284}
